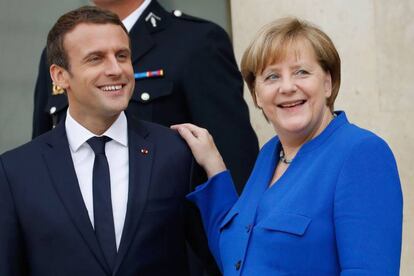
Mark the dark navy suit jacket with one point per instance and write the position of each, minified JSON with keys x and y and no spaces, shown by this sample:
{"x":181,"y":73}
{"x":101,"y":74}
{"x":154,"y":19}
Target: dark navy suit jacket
{"x":45,"y":228}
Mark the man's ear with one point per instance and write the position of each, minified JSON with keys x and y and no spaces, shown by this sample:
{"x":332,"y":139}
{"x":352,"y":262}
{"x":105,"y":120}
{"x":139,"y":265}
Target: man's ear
{"x":59,"y":76}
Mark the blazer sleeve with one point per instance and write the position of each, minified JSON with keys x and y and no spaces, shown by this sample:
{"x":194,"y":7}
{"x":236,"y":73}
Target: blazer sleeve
{"x":214,"y":199}
{"x":214,"y":92}
{"x":42,"y":122}
{"x":12,"y":260}
{"x":368,"y":211}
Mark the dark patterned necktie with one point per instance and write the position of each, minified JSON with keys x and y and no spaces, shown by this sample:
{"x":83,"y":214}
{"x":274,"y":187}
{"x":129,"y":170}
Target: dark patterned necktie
{"x":102,"y":204}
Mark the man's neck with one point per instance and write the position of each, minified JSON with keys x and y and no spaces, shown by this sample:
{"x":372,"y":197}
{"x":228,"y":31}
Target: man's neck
{"x":122,"y":8}
{"x":95,"y":124}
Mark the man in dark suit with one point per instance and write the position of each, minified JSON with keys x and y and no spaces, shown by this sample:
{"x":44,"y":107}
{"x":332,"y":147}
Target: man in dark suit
{"x":185,"y":72}
{"x":102,"y":193}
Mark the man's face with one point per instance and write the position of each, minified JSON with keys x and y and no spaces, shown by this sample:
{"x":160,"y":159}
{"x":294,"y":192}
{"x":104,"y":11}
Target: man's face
{"x":100,"y":79}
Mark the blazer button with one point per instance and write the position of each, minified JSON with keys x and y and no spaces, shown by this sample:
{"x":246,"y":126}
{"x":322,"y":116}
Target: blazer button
{"x":249,"y":228}
{"x":237,"y":265}
{"x":145,"y":96}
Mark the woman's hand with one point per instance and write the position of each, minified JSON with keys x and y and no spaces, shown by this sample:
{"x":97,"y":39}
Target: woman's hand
{"x":203,"y":148}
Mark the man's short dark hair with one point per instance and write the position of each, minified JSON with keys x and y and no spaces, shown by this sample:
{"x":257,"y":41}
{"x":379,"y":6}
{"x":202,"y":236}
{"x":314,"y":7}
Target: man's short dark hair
{"x":56,"y":53}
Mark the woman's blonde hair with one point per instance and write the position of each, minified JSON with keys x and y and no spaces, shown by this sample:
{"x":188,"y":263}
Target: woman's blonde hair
{"x":277,"y":38}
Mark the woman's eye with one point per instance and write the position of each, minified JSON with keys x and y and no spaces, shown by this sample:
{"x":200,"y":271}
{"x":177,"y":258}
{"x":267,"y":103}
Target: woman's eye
{"x":272,"y":77}
{"x":302,"y":72}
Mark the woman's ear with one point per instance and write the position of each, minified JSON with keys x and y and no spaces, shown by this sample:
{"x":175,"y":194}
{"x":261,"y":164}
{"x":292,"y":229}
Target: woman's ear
{"x":59,"y":76}
{"x":328,"y":84}
{"x":257,"y":98}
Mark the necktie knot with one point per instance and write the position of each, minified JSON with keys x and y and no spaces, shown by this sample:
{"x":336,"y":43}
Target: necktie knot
{"x":98,"y":144}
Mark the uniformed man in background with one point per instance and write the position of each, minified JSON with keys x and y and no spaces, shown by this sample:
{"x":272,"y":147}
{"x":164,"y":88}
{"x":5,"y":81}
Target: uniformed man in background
{"x":185,"y":71}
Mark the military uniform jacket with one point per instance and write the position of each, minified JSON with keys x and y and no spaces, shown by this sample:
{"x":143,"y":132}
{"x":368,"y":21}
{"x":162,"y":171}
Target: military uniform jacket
{"x":201,"y":84}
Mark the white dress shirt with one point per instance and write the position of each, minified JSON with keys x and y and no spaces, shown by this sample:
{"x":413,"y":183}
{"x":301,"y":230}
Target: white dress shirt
{"x":133,"y":17}
{"x":116,"y":152}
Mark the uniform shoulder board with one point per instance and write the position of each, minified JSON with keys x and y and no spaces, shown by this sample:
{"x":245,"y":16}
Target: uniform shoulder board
{"x":181,"y":15}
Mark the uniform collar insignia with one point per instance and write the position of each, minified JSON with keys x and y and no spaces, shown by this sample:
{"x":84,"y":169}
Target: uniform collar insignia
{"x":152,"y":18}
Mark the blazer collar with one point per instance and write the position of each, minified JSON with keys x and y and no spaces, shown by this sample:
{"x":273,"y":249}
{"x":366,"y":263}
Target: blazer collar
{"x":154,"y":19}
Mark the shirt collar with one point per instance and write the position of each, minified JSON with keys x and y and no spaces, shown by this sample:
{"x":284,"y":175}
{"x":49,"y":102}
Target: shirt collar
{"x":78,"y":134}
{"x":133,"y":17}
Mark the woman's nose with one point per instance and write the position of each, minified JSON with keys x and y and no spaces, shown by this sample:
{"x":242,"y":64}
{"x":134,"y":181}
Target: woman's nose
{"x":287,"y":85}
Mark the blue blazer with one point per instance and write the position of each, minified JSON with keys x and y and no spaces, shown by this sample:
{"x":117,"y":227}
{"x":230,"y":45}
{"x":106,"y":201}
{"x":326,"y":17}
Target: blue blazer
{"x":337,"y":210}
{"x":44,"y":224}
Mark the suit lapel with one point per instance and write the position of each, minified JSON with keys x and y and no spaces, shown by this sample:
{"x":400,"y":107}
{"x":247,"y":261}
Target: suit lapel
{"x":141,"y":156}
{"x":60,"y":165}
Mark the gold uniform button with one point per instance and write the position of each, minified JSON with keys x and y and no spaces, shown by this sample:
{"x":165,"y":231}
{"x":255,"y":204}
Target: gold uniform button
{"x":145,"y":96}
{"x":178,"y":13}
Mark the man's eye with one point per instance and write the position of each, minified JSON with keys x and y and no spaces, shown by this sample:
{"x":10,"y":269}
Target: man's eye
{"x":123,"y":56}
{"x":94,"y":59}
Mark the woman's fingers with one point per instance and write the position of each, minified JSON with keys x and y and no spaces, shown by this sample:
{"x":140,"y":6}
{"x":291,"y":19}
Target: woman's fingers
{"x":190,"y":136}
{"x":196,"y":131}
{"x":202,"y":146}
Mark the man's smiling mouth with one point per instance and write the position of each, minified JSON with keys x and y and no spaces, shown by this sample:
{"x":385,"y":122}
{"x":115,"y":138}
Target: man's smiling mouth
{"x":109,"y":88}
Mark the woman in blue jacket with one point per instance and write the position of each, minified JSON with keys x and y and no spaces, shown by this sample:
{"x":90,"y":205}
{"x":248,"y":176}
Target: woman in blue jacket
{"x":324,"y":197}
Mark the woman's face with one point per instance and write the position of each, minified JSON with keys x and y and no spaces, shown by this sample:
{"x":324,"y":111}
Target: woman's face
{"x":292,"y":93}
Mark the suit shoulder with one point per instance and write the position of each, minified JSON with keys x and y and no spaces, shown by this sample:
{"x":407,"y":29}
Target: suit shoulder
{"x":31,"y":146}
{"x":156,"y":128}
{"x":25,"y":153}
{"x":356,"y":135}
{"x":164,"y":135}
{"x":352,"y":139}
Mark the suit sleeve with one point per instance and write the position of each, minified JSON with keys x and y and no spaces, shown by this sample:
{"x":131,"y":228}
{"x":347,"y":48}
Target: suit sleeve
{"x":41,"y":120}
{"x":12,"y":260}
{"x":214,"y":91}
{"x":368,"y":211}
{"x":195,"y":234}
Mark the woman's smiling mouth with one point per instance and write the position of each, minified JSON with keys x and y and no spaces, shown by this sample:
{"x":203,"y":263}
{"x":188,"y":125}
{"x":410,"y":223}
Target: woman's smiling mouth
{"x":291,"y":104}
